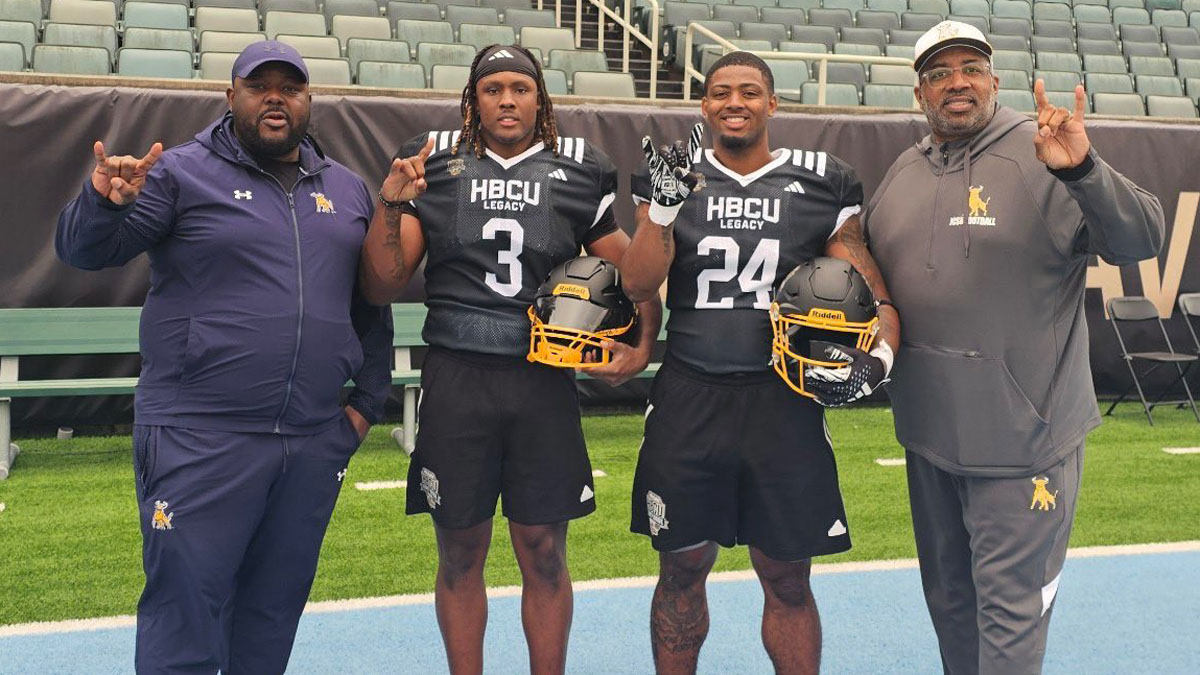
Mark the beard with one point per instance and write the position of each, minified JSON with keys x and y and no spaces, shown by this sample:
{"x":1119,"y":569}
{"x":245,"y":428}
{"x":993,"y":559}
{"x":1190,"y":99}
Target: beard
{"x":736,"y":143}
{"x":246,"y":130}
{"x":949,"y":127}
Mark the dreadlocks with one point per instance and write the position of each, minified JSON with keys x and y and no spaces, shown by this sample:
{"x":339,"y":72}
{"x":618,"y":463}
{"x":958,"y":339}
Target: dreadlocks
{"x":547,"y":127}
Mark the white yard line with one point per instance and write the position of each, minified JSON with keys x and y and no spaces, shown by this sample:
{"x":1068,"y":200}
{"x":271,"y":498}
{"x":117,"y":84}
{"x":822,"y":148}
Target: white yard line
{"x":382,"y":485}
{"x":890,"y":461}
{"x":1182,"y":451}
{"x":328,"y":606}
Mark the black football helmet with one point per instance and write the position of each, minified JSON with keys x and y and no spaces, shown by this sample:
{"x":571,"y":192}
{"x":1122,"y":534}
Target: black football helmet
{"x":824,"y":299}
{"x":579,"y":305}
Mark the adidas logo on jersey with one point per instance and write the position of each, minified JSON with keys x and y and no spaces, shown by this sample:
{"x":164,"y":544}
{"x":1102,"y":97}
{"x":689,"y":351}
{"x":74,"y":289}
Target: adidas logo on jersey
{"x":502,"y":54}
{"x":495,"y":194}
{"x":559,"y":174}
{"x":742,"y":213}
{"x":795,"y":187}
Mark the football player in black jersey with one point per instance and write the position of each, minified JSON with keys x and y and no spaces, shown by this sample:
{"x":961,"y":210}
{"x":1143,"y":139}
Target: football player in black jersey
{"x":731,"y":455}
{"x":493,"y":208}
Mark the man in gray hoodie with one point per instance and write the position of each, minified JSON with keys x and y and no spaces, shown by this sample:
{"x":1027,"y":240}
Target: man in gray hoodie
{"x":982,"y":232}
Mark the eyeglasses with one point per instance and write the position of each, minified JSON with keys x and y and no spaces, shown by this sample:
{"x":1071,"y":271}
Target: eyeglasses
{"x":940,"y":77}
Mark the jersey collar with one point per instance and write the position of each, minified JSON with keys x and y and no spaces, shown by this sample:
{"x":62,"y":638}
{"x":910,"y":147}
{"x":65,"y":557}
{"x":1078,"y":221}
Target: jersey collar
{"x":781,"y":157}
{"x":509,"y":163}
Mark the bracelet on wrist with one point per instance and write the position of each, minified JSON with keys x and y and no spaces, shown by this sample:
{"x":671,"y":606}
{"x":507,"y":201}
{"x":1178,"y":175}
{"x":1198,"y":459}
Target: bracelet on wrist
{"x":884,"y":303}
{"x":390,"y":204}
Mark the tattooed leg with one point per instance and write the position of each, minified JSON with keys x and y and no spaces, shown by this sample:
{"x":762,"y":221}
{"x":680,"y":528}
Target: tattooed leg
{"x":679,"y":611}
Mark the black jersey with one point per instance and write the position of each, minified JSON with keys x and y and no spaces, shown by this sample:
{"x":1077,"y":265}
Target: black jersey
{"x":736,"y":239}
{"x":495,"y":227}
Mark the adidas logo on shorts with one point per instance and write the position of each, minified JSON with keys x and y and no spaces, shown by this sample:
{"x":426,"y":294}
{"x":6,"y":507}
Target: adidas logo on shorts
{"x":838,"y":528}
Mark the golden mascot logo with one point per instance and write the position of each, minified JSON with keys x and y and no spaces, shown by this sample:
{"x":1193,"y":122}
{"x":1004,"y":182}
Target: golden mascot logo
{"x":977,"y":203}
{"x":324,"y":205}
{"x":161,"y":519}
{"x":1043,"y":500}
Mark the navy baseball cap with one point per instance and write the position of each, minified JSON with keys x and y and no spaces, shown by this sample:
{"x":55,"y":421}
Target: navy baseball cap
{"x":258,"y":53}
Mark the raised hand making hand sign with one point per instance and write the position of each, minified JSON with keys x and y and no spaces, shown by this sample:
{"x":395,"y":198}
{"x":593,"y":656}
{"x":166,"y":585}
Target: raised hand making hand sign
{"x":119,"y":179}
{"x":671,"y":175}
{"x":406,"y":179}
{"x":1061,"y":141}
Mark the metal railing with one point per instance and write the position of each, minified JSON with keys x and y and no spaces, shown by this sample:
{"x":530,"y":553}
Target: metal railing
{"x":824,"y":58}
{"x":630,"y":33}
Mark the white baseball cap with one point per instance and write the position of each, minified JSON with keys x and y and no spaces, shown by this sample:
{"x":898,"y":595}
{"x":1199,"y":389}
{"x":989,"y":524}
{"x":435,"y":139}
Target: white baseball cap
{"x":945,"y":35}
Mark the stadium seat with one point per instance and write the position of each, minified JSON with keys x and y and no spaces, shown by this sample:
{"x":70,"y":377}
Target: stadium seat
{"x":838,"y":18}
{"x":1012,"y":26}
{"x":1009,"y":79}
{"x":1130,"y":15}
{"x":160,"y":38}
{"x":93,"y":12}
{"x":1176,"y":35}
{"x":391,"y":75}
{"x":773,"y":33}
{"x":1013,"y":9}
{"x":1012,"y":60}
{"x":1159,"y":85}
{"x":615,"y":85}
{"x":315,"y":46}
{"x":1011,"y":42}
{"x":71,"y":60}
{"x":233,"y":4}
{"x":1151,"y":65}
{"x":1113,"y":4}
{"x":826,"y":35}
{"x":1045,"y":43}
{"x":896,"y":7}
{"x":12,"y":57}
{"x":1191,"y":86}
{"x":1057,"y":80}
{"x":350,"y":8}
{"x":871,"y":18}
{"x":1108,"y":83}
{"x":134,"y":62}
{"x":970,"y":8}
{"x":1168,"y":17}
{"x":347,"y":27}
{"x":850,"y":5}
{"x":1054,"y":28}
{"x":293,"y":23}
{"x":503,"y":6}
{"x":1017,"y":99}
{"x":803,"y":47}
{"x":939,"y":7}
{"x":738,"y":14}
{"x":1139,"y":33}
{"x":865,"y":36}
{"x":760,"y":4}
{"x":414,"y":32}
{"x":790,"y":76}
{"x":888,"y":74}
{"x":21,"y":10}
{"x":443,"y":4}
{"x":857,"y":49}
{"x":1087,"y":47}
{"x":919,"y":21}
{"x":23,"y":33}
{"x":1060,"y":61}
{"x":1104,"y":63}
{"x":1183,"y":52}
{"x":1051,"y":11}
{"x":571,"y":61}
{"x":847,"y":73}
{"x":82,"y":35}
{"x":545,"y":39}
{"x":483,"y":16}
{"x":710,"y":53}
{"x":725,"y":29}
{"x":334,"y":71}
{"x":1096,"y":31}
{"x":1119,"y":104}
{"x":787,"y":16}
{"x":899,"y":36}
{"x":365,"y":49}
{"x":221,"y":41}
{"x":1142,"y":49}
{"x":835,"y":94}
{"x":980,"y":22}
{"x":226,"y":19}
{"x":419,"y":11}
{"x":556,"y":81}
{"x":156,"y":15}
{"x":1187,"y":68}
{"x":888,"y":96}
{"x":430,"y":54}
{"x":901,"y":52}
{"x":801,"y":4}
{"x":482,"y":36}
{"x":520,"y":18}
{"x":678,"y":14}
{"x":1091,"y":14}
{"x":1066,"y":99}
{"x":216,"y":65}
{"x":300,"y":6}
{"x":449,"y":77}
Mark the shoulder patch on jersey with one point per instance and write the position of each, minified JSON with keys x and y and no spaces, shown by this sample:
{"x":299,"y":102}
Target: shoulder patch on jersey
{"x":812,"y":161}
{"x":572,"y":147}
{"x":444,"y":140}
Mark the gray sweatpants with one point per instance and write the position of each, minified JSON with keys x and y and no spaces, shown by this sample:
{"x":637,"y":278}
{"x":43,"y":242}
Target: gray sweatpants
{"x":991,"y":552}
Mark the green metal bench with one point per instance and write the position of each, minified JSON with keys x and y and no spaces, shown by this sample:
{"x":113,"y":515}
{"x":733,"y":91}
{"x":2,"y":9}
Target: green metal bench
{"x":114,"y":330}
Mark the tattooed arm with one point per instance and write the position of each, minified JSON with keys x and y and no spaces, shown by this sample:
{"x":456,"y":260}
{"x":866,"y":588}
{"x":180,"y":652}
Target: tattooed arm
{"x":395,"y":244}
{"x":849,"y":245}
{"x":645,"y":263}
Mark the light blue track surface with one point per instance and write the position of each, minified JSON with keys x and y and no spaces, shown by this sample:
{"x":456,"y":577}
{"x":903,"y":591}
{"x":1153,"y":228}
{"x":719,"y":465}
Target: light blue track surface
{"x":1119,"y":614}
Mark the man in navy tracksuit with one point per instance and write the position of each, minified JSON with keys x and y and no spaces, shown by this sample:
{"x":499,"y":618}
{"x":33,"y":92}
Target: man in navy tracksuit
{"x":250,"y":330}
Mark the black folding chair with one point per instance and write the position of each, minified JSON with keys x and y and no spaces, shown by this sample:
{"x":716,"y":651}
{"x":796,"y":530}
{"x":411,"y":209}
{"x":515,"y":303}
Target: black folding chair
{"x":1134,"y":309}
{"x":1189,"y":307}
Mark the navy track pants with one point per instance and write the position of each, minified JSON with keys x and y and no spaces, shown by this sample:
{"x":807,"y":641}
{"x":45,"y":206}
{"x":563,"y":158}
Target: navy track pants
{"x":232,"y":525}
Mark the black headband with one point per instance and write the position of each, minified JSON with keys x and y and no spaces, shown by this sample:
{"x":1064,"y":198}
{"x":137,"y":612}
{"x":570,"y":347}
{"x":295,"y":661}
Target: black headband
{"x":500,"y":59}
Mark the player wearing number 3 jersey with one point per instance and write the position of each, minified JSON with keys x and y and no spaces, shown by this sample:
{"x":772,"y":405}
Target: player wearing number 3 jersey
{"x":494,"y":207}
{"x":731,"y":455}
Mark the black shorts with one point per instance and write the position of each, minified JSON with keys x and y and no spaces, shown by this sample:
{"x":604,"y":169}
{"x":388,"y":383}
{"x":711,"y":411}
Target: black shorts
{"x":492,"y":425}
{"x":737,"y":459}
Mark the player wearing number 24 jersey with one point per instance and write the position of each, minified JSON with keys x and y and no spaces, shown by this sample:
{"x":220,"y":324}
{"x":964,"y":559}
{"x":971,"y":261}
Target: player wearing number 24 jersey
{"x":731,"y":455}
{"x":493,"y":208}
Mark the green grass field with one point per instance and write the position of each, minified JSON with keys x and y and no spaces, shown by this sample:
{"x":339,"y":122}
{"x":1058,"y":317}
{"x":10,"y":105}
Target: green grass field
{"x":70,"y":548}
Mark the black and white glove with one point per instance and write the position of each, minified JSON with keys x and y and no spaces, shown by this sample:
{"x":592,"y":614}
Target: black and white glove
{"x":863,"y":373}
{"x":671,"y":175}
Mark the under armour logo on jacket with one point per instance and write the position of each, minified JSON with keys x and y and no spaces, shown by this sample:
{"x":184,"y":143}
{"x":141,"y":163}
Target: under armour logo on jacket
{"x":243,"y":194}
{"x":502,"y":54}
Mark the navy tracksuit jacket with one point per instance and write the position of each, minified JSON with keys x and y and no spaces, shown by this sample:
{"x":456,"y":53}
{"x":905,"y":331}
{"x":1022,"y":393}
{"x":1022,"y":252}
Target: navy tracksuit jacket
{"x":250,"y":330}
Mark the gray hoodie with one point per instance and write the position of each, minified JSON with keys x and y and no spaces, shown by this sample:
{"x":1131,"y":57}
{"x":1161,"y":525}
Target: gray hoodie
{"x":992,"y":377}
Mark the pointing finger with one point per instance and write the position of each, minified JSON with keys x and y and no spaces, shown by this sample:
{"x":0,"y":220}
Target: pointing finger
{"x":1080,"y":103}
{"x":98,"y":150}
{"x":427,"y":150}
{"x":1039,"y":94}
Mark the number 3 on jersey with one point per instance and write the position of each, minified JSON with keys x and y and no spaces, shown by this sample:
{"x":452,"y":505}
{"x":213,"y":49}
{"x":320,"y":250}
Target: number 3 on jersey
{"x":506,"y":257}
{"x":756,"y":277}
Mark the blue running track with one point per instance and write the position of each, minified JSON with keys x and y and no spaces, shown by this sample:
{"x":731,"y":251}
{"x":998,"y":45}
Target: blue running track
{"x":1114,"y":614}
